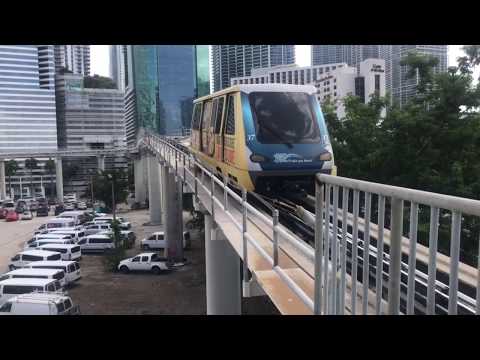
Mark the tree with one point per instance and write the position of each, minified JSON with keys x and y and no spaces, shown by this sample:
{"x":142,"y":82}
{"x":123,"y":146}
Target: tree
{"x":31,"y":164}
{"x":98,"y":82}
{"x":102,"y":186}
{"x":50,"y":168}
{"x":432,"y":143}
{"x":11,"y":168}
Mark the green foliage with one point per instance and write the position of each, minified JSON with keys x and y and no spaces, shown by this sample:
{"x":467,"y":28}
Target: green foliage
{"x":11,"y":167}
{"x":102,"y":186}
{"x":98,"y":82}
{"x":113,"y":256}
{"x":432,"y":143}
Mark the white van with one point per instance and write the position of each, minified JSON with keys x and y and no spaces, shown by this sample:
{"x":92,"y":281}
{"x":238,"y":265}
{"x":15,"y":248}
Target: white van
{"x":35,"y":244}
{"x":76,"y":234}
{"x":56,"y":274}
{"x":60,"y":223}
{"x":39,"y":304}
{"x":71,"y":268}
{"x":23,"y":258}
{"x":78,"y":215}
{"x":68,"y":251}
{"x":12,"y":287}
{"x":92,"y":229}
{"x":96,"y":243}
{"x":157,"y":241}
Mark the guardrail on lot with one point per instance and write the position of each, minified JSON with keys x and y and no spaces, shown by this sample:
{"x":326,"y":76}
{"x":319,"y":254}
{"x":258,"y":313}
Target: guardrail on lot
{"x":328,"y":187}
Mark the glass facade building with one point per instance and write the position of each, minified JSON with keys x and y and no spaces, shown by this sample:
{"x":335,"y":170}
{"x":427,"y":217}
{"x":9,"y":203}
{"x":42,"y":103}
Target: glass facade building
{"x":203,"y":70}
{"x":162,"y":83}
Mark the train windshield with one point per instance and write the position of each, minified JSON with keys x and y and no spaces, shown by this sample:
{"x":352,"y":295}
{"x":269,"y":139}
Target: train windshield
{"x":284,"y":117}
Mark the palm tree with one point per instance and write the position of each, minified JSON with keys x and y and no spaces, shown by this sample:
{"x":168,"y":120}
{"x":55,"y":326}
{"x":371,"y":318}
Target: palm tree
{"x":11,"y":168}
{"x":31,"y":164}
{"x":50,"y":167}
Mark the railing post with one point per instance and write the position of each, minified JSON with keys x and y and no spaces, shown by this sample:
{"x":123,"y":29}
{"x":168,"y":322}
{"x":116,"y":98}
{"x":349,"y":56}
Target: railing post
{"x":184,"y":170}
{"x":319,"y":189}
{"x":395,"y":257}
{"x":212,"y":187}
{"x":225,"y":193}
{"x":275,"y":238}
{"x":244,"y":238}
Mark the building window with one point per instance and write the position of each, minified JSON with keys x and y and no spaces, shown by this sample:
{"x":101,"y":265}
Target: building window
{"x":230,"y":126}
{"x":262,"y":80}
{"x":335,"y":87}
{"x":377,"y":84}
{"x":335,"y":93}
{"x":302,"y":77}
{"x":296,"y":77}
{"x":256,"y":80}
{"x":314,"y":74}
{"x":360,"y":88}
{"x":289,"y":77}
{"x":309,"y":71}
{"x":278,"y":77}
{"x":272,"y":79}
{"x":327,"y":69}
{"x":334,"y":80}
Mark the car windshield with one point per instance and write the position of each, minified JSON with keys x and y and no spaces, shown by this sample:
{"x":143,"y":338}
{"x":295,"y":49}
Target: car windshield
{"x":284,"y":117}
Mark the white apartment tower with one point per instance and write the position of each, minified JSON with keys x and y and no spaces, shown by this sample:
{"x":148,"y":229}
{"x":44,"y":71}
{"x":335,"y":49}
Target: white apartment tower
{"x":75,"y":58}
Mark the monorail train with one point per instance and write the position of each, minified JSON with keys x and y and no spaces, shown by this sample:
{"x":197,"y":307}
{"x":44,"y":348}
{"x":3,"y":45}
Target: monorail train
{"x":262,"y":137}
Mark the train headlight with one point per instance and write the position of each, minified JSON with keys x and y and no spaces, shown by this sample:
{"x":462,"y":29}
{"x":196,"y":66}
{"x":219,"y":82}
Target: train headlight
{"x":258,"y":158}
{"x":326,"y":156}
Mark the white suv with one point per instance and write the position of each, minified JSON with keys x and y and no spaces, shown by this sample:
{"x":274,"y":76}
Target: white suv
{"x":157,"y":241}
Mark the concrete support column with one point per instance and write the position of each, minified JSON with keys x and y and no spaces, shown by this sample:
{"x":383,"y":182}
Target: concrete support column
{"x":101,"y":162}
{"x":3,"y":187}
{"x":140,"y":181}
{"x":173,"y":216}
{"x":222,"y":272}
{"x":154,"y":198}
{"x":59,"y":179}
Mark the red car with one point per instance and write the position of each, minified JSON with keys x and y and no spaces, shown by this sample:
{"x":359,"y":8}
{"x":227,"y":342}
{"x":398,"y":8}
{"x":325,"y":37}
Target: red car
{"x":11,"y":216}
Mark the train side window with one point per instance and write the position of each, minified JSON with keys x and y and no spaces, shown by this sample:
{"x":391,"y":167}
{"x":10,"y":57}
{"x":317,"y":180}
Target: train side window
{"x":230,"y":121}
{"x":206,"y":116}
{"x":218,"y":118}
{"x":214,"y":113}
{"x":197,"y":113}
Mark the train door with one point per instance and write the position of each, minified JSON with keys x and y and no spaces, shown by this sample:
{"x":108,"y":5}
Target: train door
{"x":205,"y":125}
{"x":218,"y":129}
{"x":229,"y":132}
{"x":210,"y":145}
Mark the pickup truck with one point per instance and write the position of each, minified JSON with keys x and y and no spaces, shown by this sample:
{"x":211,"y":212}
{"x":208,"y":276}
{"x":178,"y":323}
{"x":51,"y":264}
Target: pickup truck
{"x":145,"y":262}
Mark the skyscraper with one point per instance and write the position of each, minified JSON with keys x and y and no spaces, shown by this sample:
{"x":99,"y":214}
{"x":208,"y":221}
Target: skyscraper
{"x":118,"y":65}
{"x":27,"y":110}
{"x":161,"y":86}
{"x":203,"y":70}
{"x":75,"y":58}
{"x":231,"y":61}
{"x":404,"y":88}
{"x":27,"y":98}
{"x":350,"y":54}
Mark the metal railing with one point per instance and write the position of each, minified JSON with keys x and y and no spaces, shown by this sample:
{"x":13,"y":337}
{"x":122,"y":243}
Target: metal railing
{"x":185,"y":163}
{"x":328,"y":187}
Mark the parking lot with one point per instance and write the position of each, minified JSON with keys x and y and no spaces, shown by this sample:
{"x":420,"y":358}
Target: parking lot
{"x":99,"y":292}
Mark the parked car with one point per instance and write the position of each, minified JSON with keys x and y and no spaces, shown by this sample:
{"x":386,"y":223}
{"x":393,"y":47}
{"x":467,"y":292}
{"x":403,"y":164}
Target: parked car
{"x":9,"y":205}
{"x":56,"y":274}
{"x":12,"y":287}
{"x":145,"y":262}
{"x":92,"y":229}
{"x":52,"y":202}
{"x":35,"y":244}
{"x":71,"y":268}
{"x":59,"y":209}
{"x":81,"y":206}
{"x":124,"y":224}
{"x":68,"y":251}
{"x":33,"y":205}
{"x":157,"y":241}
{"x":126,"y":235}
{"x":25,"y":257}
{"x":3,"y":213}
{"x":76,"y":234}
{"x":39,"y":304}
{"x":42,"y":210}
{"x":11,"y":216}
{"x":96,"y":243}
{"x":20,"y":209}
{"x":26,"y":215}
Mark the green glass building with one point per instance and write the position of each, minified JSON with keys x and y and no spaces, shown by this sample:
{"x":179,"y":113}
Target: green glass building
{"x":163,"y":81}
{"x":203,"y":70}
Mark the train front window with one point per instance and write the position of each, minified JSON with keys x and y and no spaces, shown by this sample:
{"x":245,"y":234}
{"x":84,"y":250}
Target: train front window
{"x":284,"y":117}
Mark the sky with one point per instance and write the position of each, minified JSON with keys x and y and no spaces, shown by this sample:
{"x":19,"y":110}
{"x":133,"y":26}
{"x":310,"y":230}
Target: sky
{"x":100,"y":57}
